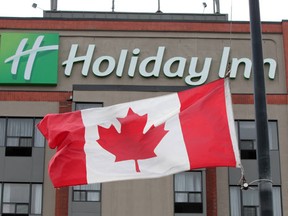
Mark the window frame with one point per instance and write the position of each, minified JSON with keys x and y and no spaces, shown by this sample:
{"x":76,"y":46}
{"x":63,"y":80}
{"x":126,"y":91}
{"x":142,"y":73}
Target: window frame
{"x":88,"y":104}
{"x":21,"y":150}
{"x":28,"y":204}
{"x":190,"y":207}
{"x":257,"y":207}
{"x":236,"y":197}
{"x":251,"y":154}
{"x":86,"y":191}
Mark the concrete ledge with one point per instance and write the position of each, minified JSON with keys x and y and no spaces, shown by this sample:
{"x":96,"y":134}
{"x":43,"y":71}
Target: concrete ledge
{"x":158,"y":16}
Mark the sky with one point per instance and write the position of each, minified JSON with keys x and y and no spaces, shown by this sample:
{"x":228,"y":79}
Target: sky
{"x":237,"y":10}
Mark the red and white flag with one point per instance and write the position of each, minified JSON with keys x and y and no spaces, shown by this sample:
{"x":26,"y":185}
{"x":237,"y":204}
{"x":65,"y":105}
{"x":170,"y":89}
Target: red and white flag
{"x":144,"y":139}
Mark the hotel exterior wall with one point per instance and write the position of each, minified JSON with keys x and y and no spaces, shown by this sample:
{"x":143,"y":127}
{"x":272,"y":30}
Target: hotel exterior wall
{"x":26,"y":108}
{"x":203,"y":39}
{"x":152,"y":197}
{"x":279,"y":113}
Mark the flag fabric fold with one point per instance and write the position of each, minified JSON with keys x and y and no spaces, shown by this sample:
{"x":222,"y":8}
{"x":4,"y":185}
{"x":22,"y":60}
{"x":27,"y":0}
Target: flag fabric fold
{"x":142,"y":139}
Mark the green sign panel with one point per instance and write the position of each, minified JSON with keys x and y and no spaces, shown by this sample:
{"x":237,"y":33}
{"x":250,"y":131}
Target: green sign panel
{"x":29,"y":59}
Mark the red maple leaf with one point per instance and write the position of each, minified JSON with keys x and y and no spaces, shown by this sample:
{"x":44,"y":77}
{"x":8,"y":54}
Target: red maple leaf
{"x":131,"y":143}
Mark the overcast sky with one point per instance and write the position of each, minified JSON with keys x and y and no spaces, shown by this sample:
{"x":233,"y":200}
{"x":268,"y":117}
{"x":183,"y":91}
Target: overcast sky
{"x":238,"y":10}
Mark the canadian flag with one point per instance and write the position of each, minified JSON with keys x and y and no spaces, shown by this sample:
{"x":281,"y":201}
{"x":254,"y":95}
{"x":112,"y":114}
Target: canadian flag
{"x":144,"y":139}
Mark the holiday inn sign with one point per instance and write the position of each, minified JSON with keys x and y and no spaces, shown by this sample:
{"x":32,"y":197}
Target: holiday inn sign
{"x":32,"y":59}
{"x":29,"y":58}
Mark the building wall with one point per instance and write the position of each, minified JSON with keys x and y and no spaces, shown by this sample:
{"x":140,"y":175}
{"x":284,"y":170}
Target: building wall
{"x":202,"y":40}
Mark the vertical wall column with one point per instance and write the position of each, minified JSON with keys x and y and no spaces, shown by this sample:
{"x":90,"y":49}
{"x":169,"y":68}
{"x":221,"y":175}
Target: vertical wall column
{"x":211,"y":192}
{"x":285,"y":45}
{"x":62,"y":194}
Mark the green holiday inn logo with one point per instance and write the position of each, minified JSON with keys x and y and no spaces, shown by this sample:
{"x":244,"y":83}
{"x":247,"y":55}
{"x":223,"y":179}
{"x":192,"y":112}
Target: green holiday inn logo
{"x":29,"y":58}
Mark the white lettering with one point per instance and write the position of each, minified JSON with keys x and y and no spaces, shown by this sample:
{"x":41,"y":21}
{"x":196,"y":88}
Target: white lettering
{"x":224,"y":62}
{"x":247,"y":68}
{"x":272,"y":68}
{"x":133,"y":62}
{"x":151,"y":66}
{"x":157,"y":64}
{"x":96,"y":66}
{"x":180,"y":61}
{"x":203,"y":75}
{"x":72,"y":59}
{"x":121,"y":63}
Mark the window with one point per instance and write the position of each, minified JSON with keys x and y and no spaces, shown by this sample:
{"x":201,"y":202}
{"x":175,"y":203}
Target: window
{"x":21,"y":199}
{"x":188,"y":192}
{"x":84,"y":193}
{"x":246,"y":202}
{"x":19,"y":135}
{"x":82,"y":105}
{"x":247,"y":138}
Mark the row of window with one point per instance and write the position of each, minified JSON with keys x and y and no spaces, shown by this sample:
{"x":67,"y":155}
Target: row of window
{"x":87,"y":193}
{"x":188,"y":192}
{"x":19,"y":135}
{"x":188,"y":195}
{"x":23,"y":198}
{"x":188,"y":186}
{"x":20,"y":132}
{"x":23,"y":133}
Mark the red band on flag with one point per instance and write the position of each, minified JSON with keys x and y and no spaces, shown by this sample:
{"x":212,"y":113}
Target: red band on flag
{"x":205,"y":126}
{"x":66,"y":132}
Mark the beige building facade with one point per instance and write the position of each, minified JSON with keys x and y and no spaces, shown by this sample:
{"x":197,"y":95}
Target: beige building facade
{"x":105,"y":62}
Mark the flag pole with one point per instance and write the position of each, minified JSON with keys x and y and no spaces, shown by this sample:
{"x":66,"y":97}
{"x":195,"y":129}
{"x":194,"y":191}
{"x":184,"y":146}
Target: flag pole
{"x":159,"y":10}
{"x":113,"y":5}
{"x":265,"y":187}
